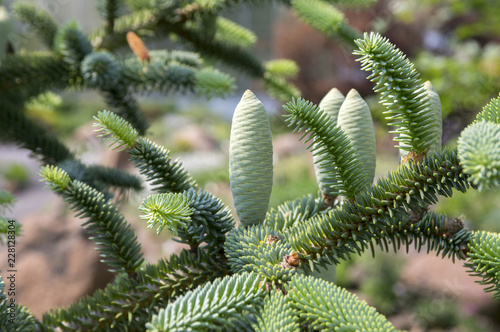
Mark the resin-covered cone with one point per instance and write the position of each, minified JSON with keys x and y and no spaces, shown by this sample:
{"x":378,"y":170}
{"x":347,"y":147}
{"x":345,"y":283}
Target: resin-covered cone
{"x":323,"y":164}
{"x":356,"y":121}
{"x":250,"y":160}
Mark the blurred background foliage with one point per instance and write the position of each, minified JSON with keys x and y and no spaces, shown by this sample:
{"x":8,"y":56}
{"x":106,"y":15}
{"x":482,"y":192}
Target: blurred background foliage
{"x":455,"y":44}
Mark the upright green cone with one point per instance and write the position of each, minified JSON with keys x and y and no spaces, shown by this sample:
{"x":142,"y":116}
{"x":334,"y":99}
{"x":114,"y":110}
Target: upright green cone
{"x":323,"y":164}
{"x":250,"y":160}
{"x":438,"y":116}
{"x":356,"y":121}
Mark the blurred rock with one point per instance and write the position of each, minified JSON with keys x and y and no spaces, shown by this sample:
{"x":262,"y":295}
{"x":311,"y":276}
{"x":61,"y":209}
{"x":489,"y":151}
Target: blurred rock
{"x":56,"y":263}
{"x":432,"y":274}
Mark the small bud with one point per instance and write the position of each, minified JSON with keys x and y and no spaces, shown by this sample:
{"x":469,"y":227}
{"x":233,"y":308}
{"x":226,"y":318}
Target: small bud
{"x":272,"y":238}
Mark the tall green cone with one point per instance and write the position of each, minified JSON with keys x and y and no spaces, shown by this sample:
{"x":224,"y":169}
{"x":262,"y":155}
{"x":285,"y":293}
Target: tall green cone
{"x":404,"y":155}
{"x":436,"y":109}
{"x":250,"y":160}
{"x":323,"y":165}
{"x":356,"y":121}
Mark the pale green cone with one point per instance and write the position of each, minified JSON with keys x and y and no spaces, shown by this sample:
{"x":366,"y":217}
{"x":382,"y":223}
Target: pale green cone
{"x":438,"y":116}
{"x":438,"y":123}
{"x":250,"y":160}
{"x":323,"y":165}
{"x":355,"y":119}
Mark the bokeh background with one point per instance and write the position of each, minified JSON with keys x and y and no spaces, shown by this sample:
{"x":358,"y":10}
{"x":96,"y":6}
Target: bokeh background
{"x":454,"y":44}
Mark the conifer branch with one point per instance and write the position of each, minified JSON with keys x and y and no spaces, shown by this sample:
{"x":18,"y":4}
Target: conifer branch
{"x":291,"y":213}
{"x":484,"y":260}
{"x":224,"y":302}
{"x":211,"y":220}
{"x":109,"y":9}
{"x":327,"y":306}
{"x":35,"y":72}
{"x":115,"y":239}
{"x":261,"y":250}
{"x":112,"y":177}
{"x":115,"y":130}
{"x":490,"y":112}
{"x":479,"y":155}
{"x":72,"y":46}
{"x":317,"y":124}
{"x":20,"y":319}
{"x":383,"y":207}
{"x":325,"y":18}
{"x":128,"y":303}
{"x":170,"y":210}
{"x":155,"y":163}
{"x":233,"y":33}
{"x":152,"y":160}
{"x":123,"y":101}
{"x":40,"y":21}
{"x":277,"y":314}
{"x":401,"y":91}
{"x":30,"y":135}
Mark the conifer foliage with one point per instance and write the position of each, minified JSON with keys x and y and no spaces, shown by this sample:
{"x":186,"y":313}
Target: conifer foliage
{"x":257,"y":275}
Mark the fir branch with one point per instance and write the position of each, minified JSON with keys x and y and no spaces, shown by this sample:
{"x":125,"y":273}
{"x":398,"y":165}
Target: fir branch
{"x":490,"y":112}
{"x":128,"y":303}
{"x":324,"y":165}
{"x":327,"y":306}
{"x":100,"y":70}
{"x":221,"y":302}
{"x":152,"y":160}
{"x":383,"y":209}
{"x":115,"y":239}
{"x":35,"y":72}
{"x":9,"y":229}
{"x":325,"y":18}
{"x":282,"y":68}
{"x":277,"y":315}
{"x":99,"y":177}
{"x":440,"y":234}
{"x":7,"y":200}
{"x":155,"y":163}
{"x":108,"y":10}
{"x":230,"y":54}
{"x":210,"y":82}
{"x":291,"y":213}
{"x":479,"y":155}
{"x":170,"y":210}
{"x":13,"y":316}
{"x":210,"y":221}
{"x":401,"y":91}
{"x":175,"y":71}
{"x":138,"y":20}
{"x":484,"y":260}
{"x":111,"y":177}
{"x":280,"y":88}
{"x":123,"y":101}
{"x":119,"y":131}
{"x":30,"y":135}
{"x":319,"y":125}
{"x":261,"y":250}
{"x":72,"y":45}
{"x":232,"y":33}
{"x":40,"y":21}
